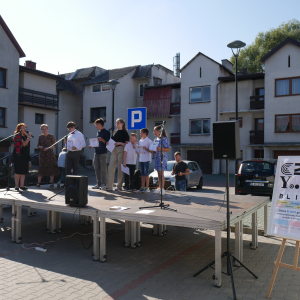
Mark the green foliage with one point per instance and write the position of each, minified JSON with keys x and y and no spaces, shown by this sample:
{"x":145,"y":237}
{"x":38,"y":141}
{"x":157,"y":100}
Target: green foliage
{"x":250,"y":56}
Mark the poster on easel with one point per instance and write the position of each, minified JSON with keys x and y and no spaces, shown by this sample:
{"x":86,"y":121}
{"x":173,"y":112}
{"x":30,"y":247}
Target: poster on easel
{"x":284,"y":219}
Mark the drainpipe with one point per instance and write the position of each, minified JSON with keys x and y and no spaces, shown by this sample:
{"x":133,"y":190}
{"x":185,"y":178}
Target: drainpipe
{"x":217,"y":116}
{"x":57,"y":121}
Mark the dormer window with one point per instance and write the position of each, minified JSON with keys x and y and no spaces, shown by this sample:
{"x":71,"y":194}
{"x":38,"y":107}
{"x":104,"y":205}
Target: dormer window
{"x":200,"y":72}
{"x":157,"y":81}
{"x":289,"y":61}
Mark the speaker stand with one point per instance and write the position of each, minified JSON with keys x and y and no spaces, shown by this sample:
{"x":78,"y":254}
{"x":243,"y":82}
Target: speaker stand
{"x":227,"y":253}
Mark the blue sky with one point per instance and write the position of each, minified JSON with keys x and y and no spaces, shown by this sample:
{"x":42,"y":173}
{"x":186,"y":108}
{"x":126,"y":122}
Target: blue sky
{"x":63,"y":35}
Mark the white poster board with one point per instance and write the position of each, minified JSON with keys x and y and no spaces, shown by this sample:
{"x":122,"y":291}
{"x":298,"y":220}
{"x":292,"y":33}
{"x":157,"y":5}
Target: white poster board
{"x":285,"y":211}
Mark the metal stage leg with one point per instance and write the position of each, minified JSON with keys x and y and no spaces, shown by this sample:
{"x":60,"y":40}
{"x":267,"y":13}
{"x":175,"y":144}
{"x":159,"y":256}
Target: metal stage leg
{"x":53,"y":221}
{"x":254,"y":243}
{"x":165,"y":229}
{"x":138,"y":234}
{"x":133,"y":234}
{"x":16,"y":222}
{"x":1,"y":213}
{"x":31,"y":212}
{"x":96,"y":238}
{"x":161,"y":230}
{"x":127,"y":233}
{"x":155,"y":229}
{"x":238,"y":242}
{"x":218,"y":258}
{"x":102,"y":239}
{"x":58,"y":221}
{"x":265,"y":219}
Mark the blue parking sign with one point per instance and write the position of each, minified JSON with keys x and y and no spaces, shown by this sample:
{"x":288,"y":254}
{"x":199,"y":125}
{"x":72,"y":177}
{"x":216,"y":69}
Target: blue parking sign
{"x":137,"y":118}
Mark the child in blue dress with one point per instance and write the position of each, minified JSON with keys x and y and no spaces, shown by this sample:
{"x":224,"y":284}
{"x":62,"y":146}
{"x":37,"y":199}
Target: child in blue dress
{"x":157,"y":161}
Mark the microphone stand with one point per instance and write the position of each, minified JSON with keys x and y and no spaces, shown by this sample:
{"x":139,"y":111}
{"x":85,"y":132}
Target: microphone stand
{"x":161,"y":204}
{"x":66,"y":136}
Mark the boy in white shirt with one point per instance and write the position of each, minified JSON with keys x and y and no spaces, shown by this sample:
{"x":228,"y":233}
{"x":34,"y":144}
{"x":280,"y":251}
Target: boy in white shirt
{"x":144,"y":160}
{"x":129,"y":160}
{"x":61,"y":163}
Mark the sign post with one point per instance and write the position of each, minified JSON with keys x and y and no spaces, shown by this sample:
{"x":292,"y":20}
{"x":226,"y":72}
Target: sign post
{"x":284,"y":219}
{"x":137,"y":118}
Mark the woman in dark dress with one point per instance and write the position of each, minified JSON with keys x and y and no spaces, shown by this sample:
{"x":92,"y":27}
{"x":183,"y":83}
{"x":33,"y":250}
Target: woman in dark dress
{"x":21,"y":155}
{"x":47,"y":163}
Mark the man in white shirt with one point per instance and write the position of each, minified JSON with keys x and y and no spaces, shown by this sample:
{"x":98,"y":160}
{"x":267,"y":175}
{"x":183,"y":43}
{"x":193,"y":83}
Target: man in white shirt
{"x":75,"y":143}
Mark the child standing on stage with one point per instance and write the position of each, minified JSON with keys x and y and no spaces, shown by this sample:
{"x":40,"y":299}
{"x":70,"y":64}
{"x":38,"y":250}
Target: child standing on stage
{"x":144,"y":160}
{"x":61,"y":163}
{"x":129,"y":160}
{"x":164,"y":147}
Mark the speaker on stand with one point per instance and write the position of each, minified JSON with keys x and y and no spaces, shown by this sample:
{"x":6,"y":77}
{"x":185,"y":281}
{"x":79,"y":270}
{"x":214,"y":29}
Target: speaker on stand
{"x":76,"y":193}
{"x":226,"y":145}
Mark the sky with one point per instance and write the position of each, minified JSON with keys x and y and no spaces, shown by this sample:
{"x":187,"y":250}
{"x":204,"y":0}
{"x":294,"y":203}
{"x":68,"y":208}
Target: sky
{"x":64,"y":35}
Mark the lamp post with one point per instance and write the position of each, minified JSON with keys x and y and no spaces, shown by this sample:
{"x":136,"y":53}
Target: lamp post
{"x":237,"y":45}
{"x":113,"y":83}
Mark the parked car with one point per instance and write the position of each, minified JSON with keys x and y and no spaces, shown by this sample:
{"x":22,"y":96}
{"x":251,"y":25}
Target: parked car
{"x":193,"y":179}
{"x":257,"y":177}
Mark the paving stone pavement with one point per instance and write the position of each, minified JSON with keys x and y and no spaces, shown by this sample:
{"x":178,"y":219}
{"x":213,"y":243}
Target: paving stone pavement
{"x":162,"y":268}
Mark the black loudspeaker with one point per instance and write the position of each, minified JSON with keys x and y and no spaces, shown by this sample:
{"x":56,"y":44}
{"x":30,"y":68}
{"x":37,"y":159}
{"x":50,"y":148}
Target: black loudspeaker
{"x":226,"y":140}
{"x":76,"y":190}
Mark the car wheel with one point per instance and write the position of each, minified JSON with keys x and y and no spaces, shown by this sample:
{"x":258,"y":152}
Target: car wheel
{"x":200,"y":185}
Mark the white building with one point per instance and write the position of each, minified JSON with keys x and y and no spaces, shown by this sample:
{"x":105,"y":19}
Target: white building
{"x":10,"y":52}
{"x":200,"y":108}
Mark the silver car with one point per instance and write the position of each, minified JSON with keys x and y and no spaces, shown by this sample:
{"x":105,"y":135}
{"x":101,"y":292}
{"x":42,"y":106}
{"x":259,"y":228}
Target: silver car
{"x":195,"y":178}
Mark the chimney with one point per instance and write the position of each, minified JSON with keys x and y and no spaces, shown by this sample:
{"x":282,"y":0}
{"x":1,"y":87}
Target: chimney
{"x":30,"y":64}
{"x":244,"y":71}
{"x":227,"y":64}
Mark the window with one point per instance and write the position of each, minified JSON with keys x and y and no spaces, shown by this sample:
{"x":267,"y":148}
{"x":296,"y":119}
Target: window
{"x":2,"y":78}
{"x":200,"y":94}
{"x":287,"y":123}
{"x":142,"y":89}
{"x":98,"y":112}
{"x":260,"y":92}
{"x":101,"y":88}
{"x":289,"y":61}
{"x":287,"y":86}
{"x":2,"y":116}
{"x":259,"y":124}
{"x":200,"y":72}
{"x":39,"y":119}
{"x":199,"y":126}
{"x":240,"y":121}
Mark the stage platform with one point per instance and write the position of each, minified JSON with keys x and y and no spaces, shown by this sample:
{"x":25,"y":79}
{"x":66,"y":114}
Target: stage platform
{"x":194,"y":210}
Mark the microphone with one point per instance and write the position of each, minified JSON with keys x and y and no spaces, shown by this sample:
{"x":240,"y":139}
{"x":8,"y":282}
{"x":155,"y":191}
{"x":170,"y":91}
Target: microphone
{"x":28,"y":132}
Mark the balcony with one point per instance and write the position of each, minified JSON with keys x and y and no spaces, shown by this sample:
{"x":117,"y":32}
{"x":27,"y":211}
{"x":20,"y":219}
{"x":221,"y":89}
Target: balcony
{"x":256,"y":136}
{"x":37,"y":99}
{"x":257,"y":102}
{"x":175,"y":108}
{"x":175,"y":138}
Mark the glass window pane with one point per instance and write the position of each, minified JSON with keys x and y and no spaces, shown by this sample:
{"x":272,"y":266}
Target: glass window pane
{"x":296,"y":86}
{"x":2,"y":78}
{"x":105,"y":87}
{"x":96,"y":88}
{"x":103,"y":113}
{"x":206,"y":93}
{"x":282,"y":123}
{"x":196,"y":127}
{"x":282,"y":87}
{"x":2,"y":117}
{"x":39,"y":119}
{"x":296,"y":123}
{"x":206,"y":126}
{"x":141,"y":90}
{"x":196,"y":94}
{"x":95,"y":114}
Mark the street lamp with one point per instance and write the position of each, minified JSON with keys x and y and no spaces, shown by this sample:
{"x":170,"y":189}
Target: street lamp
{"x":237,"y":45}
{"x":113,"y":83}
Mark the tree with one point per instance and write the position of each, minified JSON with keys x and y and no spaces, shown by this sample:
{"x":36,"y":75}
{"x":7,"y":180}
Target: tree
{"x":250,"y":56}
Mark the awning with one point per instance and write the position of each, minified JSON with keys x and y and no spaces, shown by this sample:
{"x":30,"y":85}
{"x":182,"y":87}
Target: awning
{"x":157,"y":102}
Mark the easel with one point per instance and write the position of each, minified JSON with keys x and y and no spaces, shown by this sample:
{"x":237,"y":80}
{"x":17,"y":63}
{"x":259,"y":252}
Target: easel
{"x":278,"y":264}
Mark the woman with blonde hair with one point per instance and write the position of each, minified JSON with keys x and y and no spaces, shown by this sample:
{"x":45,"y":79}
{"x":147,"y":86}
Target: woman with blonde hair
{"x":164,"y":147}
{"x":47,"y":162}
{"x":21,"y":155}
{"x":121,"y":138}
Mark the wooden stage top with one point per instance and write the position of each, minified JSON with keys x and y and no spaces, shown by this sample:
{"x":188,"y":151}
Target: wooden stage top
{"x":194,"y":209}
